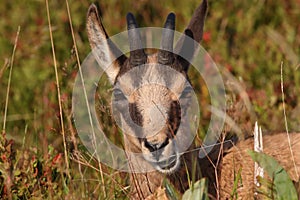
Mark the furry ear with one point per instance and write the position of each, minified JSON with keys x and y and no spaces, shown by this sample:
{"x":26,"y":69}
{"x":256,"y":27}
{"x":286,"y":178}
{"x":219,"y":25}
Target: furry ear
{"x":197,"y":22}
{"x":194,"y":31}
{"x":107,"y":54}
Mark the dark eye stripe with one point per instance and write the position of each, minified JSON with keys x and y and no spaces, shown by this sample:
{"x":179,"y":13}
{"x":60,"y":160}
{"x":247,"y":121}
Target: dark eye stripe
{"x":174,"y":117}
{"x":135,"y":114}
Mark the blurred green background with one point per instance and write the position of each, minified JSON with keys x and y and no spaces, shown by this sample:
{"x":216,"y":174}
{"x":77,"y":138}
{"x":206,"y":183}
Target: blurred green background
{"x":248,"y":38}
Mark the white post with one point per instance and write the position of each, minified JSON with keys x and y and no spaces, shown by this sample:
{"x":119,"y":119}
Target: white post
{"x":258,"y":147}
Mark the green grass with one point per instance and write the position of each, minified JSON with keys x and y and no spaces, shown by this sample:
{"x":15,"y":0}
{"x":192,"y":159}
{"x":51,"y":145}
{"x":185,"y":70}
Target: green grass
{"x":249,"y":38}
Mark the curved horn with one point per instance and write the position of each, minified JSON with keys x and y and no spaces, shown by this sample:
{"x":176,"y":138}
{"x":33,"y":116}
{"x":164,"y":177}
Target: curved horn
{"x":165,"y":55}
{"x":137,"y":54}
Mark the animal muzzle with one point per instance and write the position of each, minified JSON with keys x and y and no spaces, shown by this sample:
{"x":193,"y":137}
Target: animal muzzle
{"x":163,"y":156}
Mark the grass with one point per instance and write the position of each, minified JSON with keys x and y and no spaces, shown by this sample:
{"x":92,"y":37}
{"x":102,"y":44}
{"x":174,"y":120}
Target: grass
{"x":40,"y":154}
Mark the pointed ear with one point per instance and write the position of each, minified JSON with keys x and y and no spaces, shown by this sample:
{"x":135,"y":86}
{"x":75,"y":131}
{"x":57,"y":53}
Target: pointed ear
{"x":194,"y":31}
{"x":197,"y":22}
{"x":107,"y":54}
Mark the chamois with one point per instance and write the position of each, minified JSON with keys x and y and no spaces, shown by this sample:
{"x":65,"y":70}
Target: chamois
{"x":157,"y":112}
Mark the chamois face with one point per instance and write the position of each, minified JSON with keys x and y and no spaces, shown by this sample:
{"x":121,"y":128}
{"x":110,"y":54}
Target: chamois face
{"x":150,"y":91}
{"x":151,"y":104}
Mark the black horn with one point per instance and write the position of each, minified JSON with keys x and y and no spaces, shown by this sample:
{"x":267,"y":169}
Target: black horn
{"x":137,"y":54}
{"x":165,"y":55}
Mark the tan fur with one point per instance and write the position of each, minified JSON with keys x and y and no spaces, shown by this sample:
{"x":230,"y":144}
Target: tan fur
{"x":152,"y":58}
{"x":238,"y":158}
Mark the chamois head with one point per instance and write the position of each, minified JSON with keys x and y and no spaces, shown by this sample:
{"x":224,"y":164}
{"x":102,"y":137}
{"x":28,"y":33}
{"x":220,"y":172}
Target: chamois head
{"x":149,"y":89}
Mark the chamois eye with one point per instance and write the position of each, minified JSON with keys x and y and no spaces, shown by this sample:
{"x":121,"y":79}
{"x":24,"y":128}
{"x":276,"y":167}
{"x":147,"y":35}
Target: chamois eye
{"x":119,"y":95}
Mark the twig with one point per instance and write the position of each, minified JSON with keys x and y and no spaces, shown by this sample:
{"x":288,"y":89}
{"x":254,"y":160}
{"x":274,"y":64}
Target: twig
{"x":285,"y":119}
{"x":58,"y":91}
{"x":9,"y":80}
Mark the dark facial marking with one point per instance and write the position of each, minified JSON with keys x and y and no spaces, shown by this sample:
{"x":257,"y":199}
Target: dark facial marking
{"x":174,"y":117}
{"x":135,"y":114}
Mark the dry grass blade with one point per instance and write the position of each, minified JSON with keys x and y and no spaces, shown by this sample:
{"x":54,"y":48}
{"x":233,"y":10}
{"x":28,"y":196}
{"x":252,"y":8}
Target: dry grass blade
{"x":58,"y":92}
{"x":86,"y":98}
{"x":285,"y":120}
{"x":9,"y":80}
{"x":81,"y":159}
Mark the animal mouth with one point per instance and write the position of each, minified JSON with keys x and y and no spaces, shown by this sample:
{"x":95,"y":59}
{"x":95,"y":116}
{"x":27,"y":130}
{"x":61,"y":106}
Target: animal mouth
{"x":168,"y":165}
{"x":163,"y":163}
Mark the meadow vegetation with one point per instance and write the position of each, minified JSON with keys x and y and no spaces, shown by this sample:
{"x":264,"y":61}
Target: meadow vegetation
{"x":249,"y":39}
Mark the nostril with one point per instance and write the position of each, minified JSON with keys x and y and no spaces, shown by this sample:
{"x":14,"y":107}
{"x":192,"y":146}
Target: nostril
{"x":150,"y":146}
{"x":155,"y":146}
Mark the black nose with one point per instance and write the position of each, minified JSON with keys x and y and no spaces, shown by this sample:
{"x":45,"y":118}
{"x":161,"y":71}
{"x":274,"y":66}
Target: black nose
{"x":155,"y":146}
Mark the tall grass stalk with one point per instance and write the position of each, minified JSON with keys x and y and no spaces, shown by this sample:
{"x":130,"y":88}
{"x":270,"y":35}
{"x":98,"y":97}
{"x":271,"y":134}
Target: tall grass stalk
{"x":58,"y":92}
{"x":85,"y":95}
{"x":285,"y":120}
{"x":9,"y":80}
